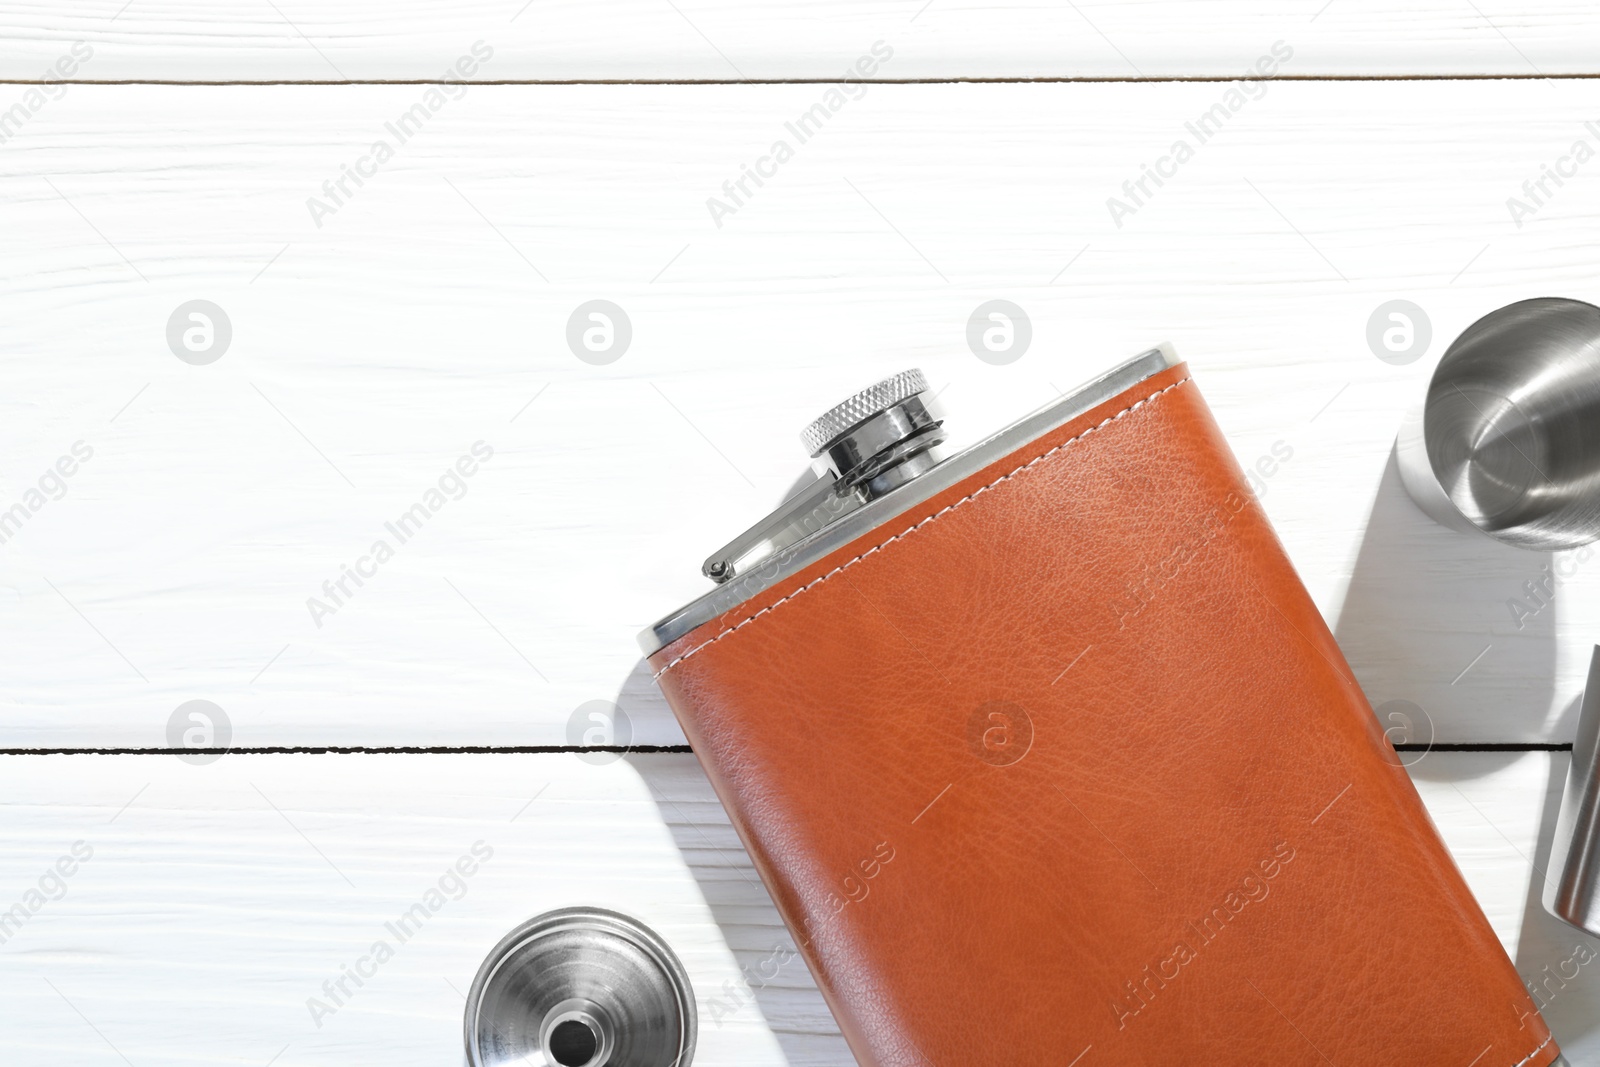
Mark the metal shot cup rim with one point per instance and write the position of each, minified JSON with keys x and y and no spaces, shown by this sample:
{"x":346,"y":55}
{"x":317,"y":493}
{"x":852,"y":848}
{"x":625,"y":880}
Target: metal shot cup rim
{"x":1545,"y":353}
{"x":612,"y":930}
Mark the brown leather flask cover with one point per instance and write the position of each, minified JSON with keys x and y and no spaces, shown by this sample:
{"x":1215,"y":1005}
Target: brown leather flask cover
{"x":1062,"y":766}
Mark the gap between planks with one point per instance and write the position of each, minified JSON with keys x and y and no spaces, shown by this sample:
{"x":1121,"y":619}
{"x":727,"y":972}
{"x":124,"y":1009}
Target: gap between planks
{"x":1058,"y":79}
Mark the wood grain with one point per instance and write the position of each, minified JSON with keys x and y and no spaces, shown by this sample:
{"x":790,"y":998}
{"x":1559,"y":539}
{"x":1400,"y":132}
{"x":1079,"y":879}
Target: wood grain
{"x":219,"y":898}
{"x":780,"y":39}
{"x":429,"y":312}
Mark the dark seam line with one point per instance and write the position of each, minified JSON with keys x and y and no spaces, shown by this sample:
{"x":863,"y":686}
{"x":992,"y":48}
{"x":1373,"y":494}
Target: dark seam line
{"x":1088,"y":79}
{"x":1486,"y":746}
{"x":648,"y":750}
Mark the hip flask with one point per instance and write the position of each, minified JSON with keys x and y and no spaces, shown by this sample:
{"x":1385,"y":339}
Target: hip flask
{"x":1046,"y":756}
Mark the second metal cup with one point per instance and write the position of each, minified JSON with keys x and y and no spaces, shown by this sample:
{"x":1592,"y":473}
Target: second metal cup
{"x":1506,"y":441}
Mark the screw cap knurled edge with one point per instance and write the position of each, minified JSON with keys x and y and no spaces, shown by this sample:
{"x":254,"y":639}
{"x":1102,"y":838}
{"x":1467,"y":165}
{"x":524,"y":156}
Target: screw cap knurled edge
{"x":870,"y":401}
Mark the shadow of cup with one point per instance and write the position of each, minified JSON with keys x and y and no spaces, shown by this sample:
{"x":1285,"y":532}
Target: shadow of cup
{"x":1460,"y":629}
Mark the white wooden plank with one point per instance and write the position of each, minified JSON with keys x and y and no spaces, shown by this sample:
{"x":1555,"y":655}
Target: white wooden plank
{"x":218,"y":899}
{"x":215,"y":903}
{"x":625,"y":39}
{"x":429,"y":312}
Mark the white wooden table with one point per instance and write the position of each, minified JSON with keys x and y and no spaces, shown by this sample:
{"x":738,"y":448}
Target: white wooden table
{"x":381,"y":331}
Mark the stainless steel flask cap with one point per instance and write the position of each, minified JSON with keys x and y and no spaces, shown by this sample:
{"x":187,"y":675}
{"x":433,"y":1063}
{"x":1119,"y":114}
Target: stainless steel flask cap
{"x":1507,"y":438}
{"x":879,"y":439}
{"x":874,"y":442}
{"x":581,"y":987}
{"x":878,"y":458}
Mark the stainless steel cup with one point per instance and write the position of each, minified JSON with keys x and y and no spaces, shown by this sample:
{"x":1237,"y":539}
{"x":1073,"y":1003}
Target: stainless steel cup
{"x":1506,"y":441}
{"x":1572,"y":890}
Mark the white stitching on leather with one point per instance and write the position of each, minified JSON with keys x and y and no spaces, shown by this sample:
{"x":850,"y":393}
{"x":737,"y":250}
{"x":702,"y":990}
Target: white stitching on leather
{"x":1535,"y":1052}
{"x":921,"y":523}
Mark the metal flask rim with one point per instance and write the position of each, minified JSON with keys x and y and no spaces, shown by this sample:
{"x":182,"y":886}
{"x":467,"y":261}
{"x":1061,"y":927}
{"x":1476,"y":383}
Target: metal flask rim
{"x":943,"y":474}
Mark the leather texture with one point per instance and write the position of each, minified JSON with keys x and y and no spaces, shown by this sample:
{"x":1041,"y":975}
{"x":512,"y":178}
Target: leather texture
{"x":1064,"y":767}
